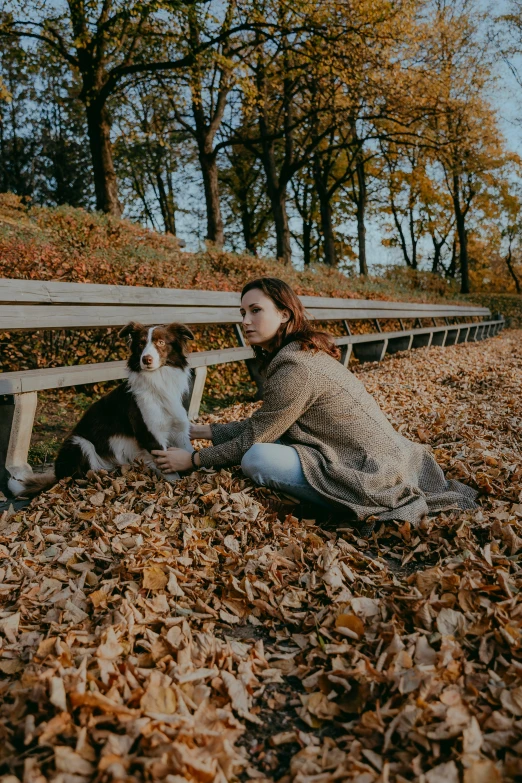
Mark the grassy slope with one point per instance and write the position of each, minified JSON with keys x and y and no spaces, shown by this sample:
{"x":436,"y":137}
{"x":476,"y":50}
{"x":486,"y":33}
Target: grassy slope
{"x":73,"y":245}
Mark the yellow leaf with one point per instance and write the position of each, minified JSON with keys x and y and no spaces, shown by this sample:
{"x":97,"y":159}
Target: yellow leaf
{"x":154,"y":578}
{"x":350,"y":621}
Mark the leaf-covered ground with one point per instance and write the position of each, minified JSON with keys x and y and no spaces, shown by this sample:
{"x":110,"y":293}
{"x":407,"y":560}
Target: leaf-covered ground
{"x":161,"y":633}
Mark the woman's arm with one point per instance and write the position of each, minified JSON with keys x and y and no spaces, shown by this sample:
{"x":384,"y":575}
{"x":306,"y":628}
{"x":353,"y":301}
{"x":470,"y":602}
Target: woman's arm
{"x":221,"y":433}
{"x":217,"y":433}
{"x":288,"y":392}
{"x":200,"y":432}
{"x":174,"y":459}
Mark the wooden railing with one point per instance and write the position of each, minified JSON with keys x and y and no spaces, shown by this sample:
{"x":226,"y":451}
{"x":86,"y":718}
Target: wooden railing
{"x":33,"y":305}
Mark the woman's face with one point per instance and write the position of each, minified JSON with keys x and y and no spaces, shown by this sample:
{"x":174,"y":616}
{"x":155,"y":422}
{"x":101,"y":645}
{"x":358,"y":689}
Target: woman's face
{"x":261,"y":318}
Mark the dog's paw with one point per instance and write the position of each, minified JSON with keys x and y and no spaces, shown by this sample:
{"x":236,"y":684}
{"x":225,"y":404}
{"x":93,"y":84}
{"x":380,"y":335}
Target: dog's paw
{"x":17,"y":477}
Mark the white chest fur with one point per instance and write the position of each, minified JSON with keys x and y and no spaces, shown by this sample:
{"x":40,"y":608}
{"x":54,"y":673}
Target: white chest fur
{"x":159,"y":397}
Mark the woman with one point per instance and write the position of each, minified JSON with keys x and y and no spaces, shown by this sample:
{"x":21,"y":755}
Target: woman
{"x":319,"y":436}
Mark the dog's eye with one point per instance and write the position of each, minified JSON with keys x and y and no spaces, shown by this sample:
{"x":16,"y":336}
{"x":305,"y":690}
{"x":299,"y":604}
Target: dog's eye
{"x":161,"y":343}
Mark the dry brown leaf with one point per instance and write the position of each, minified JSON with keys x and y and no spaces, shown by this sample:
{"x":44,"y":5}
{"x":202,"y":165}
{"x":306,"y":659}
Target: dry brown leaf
{"x":154,"y":578}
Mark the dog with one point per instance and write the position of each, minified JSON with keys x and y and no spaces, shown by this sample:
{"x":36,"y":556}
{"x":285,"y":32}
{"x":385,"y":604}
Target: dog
{"x":145,"y":412}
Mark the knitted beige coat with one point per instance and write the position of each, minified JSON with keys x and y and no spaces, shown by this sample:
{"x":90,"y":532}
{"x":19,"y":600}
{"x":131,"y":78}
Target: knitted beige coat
{"x":348,"y":449}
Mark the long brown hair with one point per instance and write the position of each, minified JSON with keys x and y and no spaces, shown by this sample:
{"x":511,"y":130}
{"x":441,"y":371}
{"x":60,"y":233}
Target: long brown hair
{"x":297,"y":328}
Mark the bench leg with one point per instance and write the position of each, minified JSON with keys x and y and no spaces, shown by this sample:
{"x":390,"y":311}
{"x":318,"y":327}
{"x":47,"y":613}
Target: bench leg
{"x":451,"y":336}
{"x":346,"y":352}
{"x":438,"y":338}
{"x":21,"y":430}
{"x":421,"y":340}
{"x":370,"y":351}
{"x":252,"y":364}
{"x":396,"y":344}
{"x":200,"y":376}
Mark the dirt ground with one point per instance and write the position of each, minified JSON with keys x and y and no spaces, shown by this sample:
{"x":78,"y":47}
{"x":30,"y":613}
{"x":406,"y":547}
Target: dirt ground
{"x":184,"y":633}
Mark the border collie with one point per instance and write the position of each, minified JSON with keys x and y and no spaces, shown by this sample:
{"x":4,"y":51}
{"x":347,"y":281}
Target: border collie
{"x":144,"y":413}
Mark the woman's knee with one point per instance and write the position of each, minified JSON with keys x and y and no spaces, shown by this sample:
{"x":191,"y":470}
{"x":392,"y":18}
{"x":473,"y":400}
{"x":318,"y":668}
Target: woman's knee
{"x":254,"y":462}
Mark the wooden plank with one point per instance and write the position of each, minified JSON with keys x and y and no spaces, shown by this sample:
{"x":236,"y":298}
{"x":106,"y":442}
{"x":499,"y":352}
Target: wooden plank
{"x":222,"y":356}
{"x":56,"y":292}
{"x":198,"y":388}
{"x":21,"y":429}
{"x":48,"y":292}
{"x":370,"y":351}
{"x":7,"y":408}
{"x":25,"y":317}
{"x":402,"y":343}
{"x":377,"y":336}
{"x":76,"y":375}
{"x":363,"y":312}
{"x":58,"y":377}
{"x":346,"y":352}
{"x":419,"y":308}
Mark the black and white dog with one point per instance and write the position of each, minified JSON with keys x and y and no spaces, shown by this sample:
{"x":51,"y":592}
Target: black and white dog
{"x":144,"y":413}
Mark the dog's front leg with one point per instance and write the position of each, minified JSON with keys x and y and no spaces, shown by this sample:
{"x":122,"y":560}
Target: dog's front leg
{"x":148,"y":442}
{"x":148,"y":460}
{"x":182,"y":441}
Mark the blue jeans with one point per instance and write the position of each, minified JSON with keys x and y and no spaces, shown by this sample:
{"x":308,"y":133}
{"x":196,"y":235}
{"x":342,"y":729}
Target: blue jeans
{"x":279,"y":467}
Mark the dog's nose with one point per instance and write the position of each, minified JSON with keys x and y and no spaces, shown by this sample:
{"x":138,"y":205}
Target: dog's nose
{"x":147,"y":360}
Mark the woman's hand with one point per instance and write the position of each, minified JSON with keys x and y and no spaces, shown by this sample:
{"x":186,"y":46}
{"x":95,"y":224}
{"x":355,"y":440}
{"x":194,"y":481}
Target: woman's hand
{"x":174,"y":460}
{"x":200,"y":431}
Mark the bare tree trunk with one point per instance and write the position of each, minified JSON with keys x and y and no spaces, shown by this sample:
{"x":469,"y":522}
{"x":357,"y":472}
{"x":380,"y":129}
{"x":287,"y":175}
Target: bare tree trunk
{"x":277,"y":196}
{"x":413,"y":240}
{"x":171,"y":201}
{"x":437,"y":254}
{"x":166,"y":207}
{"x":247,"y":223}
{"x":307,"y":242}
{"x":209,"y":171}
{"x":283,"y":244}
{"x":325,"y":211}
{"x":361,"y":211}
{"x":105,"y":183}
{"x":460,"y":222}
{"x":509,"y":262}
{"x":452,"y":269}
{"x":402,"y":238}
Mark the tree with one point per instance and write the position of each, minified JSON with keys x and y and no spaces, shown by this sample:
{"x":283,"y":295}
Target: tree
{"x":149,"y":148}
{"x":463,"y":131}
{"x":18,"y":139}
{"x":208,"y":80}
{"x":246,"y":196}
{"x":106,"y":42}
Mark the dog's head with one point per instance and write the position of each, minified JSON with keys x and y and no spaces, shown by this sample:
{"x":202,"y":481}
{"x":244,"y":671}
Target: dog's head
{"x":152,"y":347}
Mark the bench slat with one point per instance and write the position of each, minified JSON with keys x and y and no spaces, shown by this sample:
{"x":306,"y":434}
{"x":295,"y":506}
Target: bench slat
{"x":24,"y":317}
{"x":42,"y":292}
{"x":322,"y":302}
{"x":78,"y":374}
{"x":55,"y":292}
{"x":58,"y":377}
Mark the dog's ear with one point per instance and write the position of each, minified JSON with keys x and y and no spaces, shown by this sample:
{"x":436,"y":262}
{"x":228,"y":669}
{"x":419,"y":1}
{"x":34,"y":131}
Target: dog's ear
{"x":180,"y":333}
{"x":131,"y":327}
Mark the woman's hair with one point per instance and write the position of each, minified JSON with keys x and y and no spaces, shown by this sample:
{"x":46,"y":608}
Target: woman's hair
{"x":297,"y":328}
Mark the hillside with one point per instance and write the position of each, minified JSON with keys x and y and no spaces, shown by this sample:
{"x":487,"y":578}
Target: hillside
{"x":77,"y":246}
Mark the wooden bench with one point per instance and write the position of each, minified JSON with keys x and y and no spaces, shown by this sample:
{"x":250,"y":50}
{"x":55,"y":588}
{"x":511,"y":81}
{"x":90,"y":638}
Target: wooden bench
{"x":32,"y":305}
